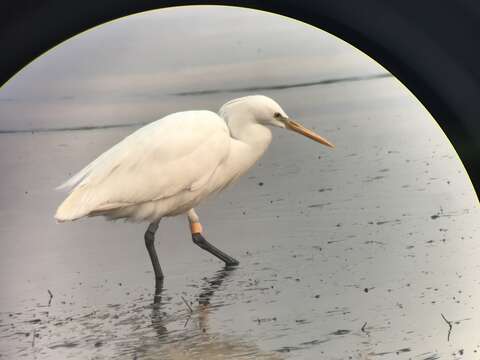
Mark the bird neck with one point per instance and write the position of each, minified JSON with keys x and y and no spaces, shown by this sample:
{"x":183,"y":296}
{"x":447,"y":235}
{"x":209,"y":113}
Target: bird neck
{"x":250,"y":132}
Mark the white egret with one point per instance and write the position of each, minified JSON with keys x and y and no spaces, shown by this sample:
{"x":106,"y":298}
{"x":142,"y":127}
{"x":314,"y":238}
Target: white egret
{"x":169,"y":166}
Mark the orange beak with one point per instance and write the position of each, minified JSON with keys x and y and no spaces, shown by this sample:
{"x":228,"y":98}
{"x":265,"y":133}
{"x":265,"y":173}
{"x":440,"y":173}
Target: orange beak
{"x":299,"y":128}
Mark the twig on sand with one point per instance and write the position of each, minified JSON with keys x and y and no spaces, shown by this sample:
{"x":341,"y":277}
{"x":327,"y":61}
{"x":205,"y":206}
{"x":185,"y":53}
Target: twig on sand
{"x":189,"y":309}
{"x":51,"y":297}
{"x":33,"y":337}
{"x":188,"y":305}
{"x":449,"y":326}
{"x":363,"y":327}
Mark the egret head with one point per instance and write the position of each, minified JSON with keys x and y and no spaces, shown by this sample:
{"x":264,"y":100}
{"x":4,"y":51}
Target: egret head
{"x":266,"y":111}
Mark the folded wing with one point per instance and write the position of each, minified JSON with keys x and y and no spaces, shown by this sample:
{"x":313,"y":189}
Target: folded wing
{"x":176,"y":153}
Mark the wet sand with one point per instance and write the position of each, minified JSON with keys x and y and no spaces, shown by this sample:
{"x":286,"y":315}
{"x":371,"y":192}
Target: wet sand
{"x":352,"y":253}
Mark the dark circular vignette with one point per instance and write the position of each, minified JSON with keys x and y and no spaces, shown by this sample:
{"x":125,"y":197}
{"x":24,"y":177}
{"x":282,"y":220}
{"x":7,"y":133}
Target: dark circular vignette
{"x":427,"y":45}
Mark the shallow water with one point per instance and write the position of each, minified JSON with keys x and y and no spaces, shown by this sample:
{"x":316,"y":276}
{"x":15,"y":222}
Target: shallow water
{"x":352,"y":253}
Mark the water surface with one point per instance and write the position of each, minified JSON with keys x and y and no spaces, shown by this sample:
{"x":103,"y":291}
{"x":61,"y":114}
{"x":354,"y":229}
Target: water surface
{"x":368,"y":251}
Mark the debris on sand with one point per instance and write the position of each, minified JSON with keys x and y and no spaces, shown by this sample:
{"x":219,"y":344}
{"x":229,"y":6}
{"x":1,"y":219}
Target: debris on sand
{"x":66,"y":344}
{"x":363,"y":327}
{"x":51,"y":297}
{"x":341,"y":332}
{"x":319,"y":205}
{"x":325,"y":189}
{"x":261,"y":320}
{"x":449,"y":323}
{"x":187,"y":304}
{"x":397,"y":221}
{"x":437,"y":215}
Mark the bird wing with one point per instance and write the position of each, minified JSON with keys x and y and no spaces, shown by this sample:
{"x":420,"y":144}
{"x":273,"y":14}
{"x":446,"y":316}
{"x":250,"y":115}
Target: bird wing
{"x":178,"y":152}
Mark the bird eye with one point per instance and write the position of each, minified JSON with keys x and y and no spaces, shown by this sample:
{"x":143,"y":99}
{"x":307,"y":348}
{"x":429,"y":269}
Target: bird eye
{"x":276,"y":115}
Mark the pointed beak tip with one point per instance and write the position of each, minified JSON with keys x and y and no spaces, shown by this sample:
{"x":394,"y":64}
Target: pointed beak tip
{"x":292,"y":125}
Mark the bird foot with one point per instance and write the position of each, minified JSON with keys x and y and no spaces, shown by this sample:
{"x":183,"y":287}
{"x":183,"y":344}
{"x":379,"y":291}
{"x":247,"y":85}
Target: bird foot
{"x":200,"y":241}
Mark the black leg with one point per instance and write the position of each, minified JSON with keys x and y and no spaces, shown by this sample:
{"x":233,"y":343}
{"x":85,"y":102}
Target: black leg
{"x":199,"y":240}
{"x":149,"y":243}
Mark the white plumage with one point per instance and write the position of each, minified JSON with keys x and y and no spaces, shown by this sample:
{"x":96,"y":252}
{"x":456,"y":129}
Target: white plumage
{"x":169,"y":166}
{"x":171,"y":157}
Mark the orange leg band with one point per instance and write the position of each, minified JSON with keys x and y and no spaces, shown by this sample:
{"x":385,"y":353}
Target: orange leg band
{"x":196,"y":228}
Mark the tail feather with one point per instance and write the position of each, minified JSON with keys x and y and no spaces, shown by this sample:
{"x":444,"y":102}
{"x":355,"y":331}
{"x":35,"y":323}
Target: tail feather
{"x":80,"y":202}
{"x":74,"y":180}
{"x":73,"y":207}
{"x":78,"y":177}
{"x":100,"y":166}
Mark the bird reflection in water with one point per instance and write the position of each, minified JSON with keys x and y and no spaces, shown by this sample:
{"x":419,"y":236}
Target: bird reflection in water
{"x":158,"y":317}
{"x":196,"y":341}
{"x":207,"y":291}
